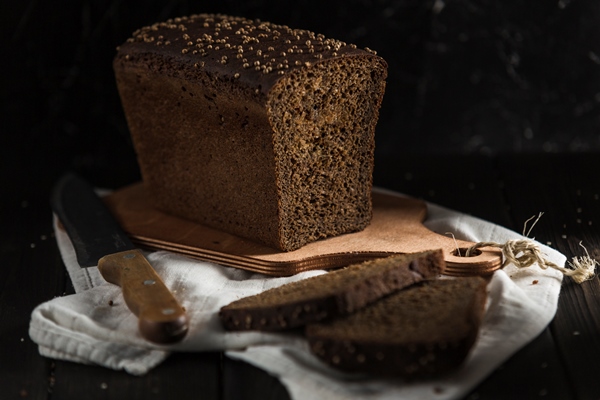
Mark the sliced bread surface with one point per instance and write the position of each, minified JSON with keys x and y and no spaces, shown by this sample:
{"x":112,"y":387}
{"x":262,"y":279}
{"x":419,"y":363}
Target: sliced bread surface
{"x":424,"y":330}
{"x":336,"y":293}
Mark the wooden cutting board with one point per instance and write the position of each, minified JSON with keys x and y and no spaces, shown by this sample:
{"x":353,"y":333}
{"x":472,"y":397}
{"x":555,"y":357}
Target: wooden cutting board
{"x":397,"y":227}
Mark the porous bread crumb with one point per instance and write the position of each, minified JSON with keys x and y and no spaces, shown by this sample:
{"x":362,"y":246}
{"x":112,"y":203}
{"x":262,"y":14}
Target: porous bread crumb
{"x":333,"y":294}
{"x":425,"y":330}
{"x":253,"y":128}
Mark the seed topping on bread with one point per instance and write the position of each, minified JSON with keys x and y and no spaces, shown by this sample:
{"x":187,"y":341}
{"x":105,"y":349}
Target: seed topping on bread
{"x":250,"y":45}
{"x":239,"y":126}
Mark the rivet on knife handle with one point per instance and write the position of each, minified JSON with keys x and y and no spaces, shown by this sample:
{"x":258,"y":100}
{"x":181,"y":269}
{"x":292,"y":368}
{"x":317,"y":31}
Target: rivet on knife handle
{"x":161,"y":317}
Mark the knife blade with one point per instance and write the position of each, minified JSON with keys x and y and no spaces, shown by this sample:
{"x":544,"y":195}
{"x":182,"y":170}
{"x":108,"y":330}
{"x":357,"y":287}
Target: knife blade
{"x":100,"y":241}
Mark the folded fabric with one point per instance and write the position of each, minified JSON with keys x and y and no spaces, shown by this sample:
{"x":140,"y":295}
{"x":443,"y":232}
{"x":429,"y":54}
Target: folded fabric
{"x":94,"y":325}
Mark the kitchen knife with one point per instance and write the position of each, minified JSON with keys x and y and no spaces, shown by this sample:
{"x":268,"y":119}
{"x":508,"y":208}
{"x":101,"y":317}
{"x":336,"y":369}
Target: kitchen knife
{"x":99,"y":241}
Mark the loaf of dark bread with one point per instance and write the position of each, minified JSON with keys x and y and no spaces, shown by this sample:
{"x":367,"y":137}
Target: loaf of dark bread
{"x":336,"y":293}
{"x":425,"y":330}
{"x":257,"y":129}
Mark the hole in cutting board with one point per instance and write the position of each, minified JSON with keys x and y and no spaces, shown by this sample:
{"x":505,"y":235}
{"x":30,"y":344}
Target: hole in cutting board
{"x":462,"y":252}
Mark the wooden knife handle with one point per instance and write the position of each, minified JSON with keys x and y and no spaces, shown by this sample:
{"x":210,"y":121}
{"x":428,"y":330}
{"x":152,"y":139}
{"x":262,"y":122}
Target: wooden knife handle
{"x":161,"y":318}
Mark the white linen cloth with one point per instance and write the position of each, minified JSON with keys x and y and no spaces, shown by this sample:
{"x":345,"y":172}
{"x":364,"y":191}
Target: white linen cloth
{"x":94,"y":326}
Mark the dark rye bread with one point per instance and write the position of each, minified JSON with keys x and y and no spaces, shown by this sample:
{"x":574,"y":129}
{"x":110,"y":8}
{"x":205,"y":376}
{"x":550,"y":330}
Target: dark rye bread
{"x":253,"y":128}
{"x":336,"y":293}
{"x":425,"y":330}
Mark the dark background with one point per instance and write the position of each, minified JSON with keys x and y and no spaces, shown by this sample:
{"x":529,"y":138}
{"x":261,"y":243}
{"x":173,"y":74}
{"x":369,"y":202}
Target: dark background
{"x":478,"y":89}
{"x":465,"y":77}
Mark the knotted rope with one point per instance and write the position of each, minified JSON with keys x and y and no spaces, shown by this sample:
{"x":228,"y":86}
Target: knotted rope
{"x":524,"y":253}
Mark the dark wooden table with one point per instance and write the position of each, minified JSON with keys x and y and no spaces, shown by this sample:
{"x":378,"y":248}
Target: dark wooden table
{"x":562,"y":363}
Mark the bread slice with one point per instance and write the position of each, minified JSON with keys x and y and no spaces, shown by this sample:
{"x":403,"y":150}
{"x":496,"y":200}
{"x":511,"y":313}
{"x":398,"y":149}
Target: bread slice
{"x":424,"y":330}
{"x":336,"y":293}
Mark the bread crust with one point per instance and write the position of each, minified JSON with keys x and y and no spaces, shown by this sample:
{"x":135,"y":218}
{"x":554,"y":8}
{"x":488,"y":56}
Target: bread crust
{"x":399,"y":337}
{"x":334,"y":294}
{"x":253,"y":128}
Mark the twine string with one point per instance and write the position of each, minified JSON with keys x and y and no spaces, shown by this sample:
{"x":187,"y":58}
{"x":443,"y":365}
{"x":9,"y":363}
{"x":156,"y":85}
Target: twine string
{"x":527,"y":232}
{"x":524,"y":253}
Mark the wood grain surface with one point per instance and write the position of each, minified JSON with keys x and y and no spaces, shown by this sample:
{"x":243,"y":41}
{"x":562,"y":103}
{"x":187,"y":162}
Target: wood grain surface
{"x":396,"y":227}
